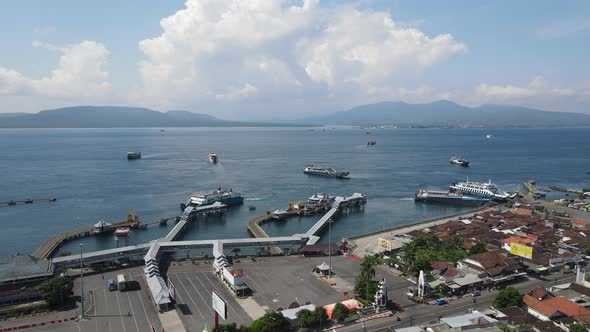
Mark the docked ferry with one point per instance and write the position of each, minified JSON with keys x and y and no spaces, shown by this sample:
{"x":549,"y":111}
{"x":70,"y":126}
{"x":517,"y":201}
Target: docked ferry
{"x":485,"y":190}
{"x":327,"y":172}
{"x":448,"y":198}
{"x":457,"y":160}
{"x":229,"y":197}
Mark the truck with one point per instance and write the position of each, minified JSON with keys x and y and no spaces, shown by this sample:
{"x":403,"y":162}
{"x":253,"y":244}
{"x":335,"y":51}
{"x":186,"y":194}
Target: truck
{"x":111,"y":285}
{"x":121,"y":282}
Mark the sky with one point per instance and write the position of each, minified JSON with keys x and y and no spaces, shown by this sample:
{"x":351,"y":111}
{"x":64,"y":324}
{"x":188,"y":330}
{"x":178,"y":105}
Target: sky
{"x":274,"y":60}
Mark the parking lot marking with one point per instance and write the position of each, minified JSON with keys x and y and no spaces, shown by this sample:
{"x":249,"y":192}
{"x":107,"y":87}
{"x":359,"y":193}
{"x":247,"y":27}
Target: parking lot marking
{"x":201,"y":296}
{"x":189,"y":295}
{"x":120,"y":314}
{"x":231,"y":307}
{"x":145,"y":311}
{"x":132,"y":311}
{"x":106,"y":304}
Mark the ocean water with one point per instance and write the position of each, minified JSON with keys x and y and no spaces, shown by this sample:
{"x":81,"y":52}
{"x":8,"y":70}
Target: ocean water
{"x":87,"y":171}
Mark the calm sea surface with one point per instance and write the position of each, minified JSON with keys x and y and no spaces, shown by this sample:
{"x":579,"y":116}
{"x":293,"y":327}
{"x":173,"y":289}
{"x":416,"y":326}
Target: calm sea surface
{"x":87,"y":170}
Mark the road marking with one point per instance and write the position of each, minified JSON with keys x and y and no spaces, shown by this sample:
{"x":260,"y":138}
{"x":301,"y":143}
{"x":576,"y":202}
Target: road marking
{"x":189,"y":295}
{"x":132,"y":311}
{"x":120,"y":313}
{"x":201,"y":296}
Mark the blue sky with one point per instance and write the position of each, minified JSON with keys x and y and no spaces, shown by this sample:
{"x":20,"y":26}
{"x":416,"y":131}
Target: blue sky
{"x":293,"y":58}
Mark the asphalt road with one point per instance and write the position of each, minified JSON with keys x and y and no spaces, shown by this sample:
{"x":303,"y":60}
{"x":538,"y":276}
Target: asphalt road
{"x":415,"y":314}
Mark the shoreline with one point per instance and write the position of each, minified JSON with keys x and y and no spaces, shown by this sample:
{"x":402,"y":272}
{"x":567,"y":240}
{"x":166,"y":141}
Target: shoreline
{"x":363,"y":242}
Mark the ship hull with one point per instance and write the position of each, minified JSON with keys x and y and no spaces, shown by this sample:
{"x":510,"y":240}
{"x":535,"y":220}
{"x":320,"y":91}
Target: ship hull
{"x":466,"y":201}
{"x":327,"y":175}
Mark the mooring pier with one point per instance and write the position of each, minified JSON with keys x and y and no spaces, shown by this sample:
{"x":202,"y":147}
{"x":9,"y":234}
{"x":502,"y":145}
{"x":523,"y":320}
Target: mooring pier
{"x":28,"y":201}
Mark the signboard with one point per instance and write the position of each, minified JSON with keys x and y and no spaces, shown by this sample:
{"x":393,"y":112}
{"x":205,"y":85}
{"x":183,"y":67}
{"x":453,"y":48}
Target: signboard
{"x":521,"y":250}
{"x":219,"y":305}
{"x":171,"y":290}
{"x":383,"y":243}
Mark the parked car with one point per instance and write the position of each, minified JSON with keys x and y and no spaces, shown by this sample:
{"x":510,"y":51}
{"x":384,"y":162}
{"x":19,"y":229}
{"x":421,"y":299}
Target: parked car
{"x":441,"y":301}
{"x":475,"y":293}
{"x":111,"y":285}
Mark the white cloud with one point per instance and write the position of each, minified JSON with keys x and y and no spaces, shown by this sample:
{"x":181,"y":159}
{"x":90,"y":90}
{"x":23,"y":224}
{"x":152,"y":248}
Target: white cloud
{"x":536,"y":88}
{"x":368,"y":48}
{"x":229,"y":50}
{"x":563,"y":28}
{"x":79,"y":73}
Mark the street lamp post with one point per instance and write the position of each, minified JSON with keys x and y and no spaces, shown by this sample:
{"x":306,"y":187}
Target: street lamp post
{"x":82,"y":315}
{"x":330,"y":248}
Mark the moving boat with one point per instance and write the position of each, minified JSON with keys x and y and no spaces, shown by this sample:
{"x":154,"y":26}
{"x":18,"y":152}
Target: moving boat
{"x":489,"y":136}
{"x":133,"y":155}
{"x":122,"y":232}
{"x":212,"y":158}
{"x":251,"y":207}
{"x":327,"y":172}
{"x":485,"y":190}
{"x":371,"y":142}
{"x":226,"y":197}
{"x":457,"y":160}
{"x":448,"y":198}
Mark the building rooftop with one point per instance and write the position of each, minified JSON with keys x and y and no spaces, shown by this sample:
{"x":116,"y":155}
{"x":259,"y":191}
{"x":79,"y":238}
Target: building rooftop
{"x":472,"y":319}
{"x":21,"y":267}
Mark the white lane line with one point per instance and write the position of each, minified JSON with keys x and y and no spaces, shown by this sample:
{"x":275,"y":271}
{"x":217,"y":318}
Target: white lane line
{"x":106,"y":303}
{"x":94,"y":306}
{"x":147,"y":317}
{"x":201,"y":296}
{"x":120,"y":313}
{"x":231,"y":307}
{"x":189,"y":295}
{"x":132,"y":312}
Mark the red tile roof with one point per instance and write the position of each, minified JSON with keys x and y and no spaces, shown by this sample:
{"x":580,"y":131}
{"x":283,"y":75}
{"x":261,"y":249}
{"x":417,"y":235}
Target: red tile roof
{"x":556,"y":306}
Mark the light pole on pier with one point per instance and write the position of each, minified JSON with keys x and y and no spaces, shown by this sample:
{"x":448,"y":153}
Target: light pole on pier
{"x":330,"y":248}
{"x":82,"y":314}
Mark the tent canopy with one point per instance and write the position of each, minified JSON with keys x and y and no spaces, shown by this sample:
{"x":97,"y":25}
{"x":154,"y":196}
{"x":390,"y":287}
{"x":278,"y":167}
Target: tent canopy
{"x":323,"y":266}
{"x":350,"y":304}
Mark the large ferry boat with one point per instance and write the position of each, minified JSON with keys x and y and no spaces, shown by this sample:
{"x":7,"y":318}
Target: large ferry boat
{"x":457,"y":160}
{"x":448,"y":198}
{"x":327,"y":172}
{"x":486,"y":190}
{"x":228,"y":198}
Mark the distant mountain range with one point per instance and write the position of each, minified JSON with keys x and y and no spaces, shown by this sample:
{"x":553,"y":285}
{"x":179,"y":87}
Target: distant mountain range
{"x":445,"y":113}
{"x":118,"y":117}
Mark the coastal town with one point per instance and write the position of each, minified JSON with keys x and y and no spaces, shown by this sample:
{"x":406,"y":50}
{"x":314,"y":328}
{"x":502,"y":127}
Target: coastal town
{"x":506,"y":264}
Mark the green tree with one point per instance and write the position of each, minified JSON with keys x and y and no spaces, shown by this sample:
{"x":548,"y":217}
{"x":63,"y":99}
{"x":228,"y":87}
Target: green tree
{"x":478,"y":248}
{"x":340,"y":312}
{"x":365,"y":286}
{"x":57,"y":291}
{"x":271,"y":322}
{"x":233,"y":328}
{"x":321,"y":316}
{"x":578,"y":328}
{"x":588,"y":251}
{"x":508,"y":297}
{"x":305,"y":319}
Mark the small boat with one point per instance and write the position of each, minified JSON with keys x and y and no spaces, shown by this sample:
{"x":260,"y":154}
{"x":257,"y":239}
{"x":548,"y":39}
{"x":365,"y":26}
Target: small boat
{"x":133,"y":155}
{"x":457,"y":160}
{"x":212,"y":158}
{"x":489,"y":136}
{"x":371,"y":142}
{"x":122,"y":232}
{"x":162,"y":130}
{"x":251,"y":207}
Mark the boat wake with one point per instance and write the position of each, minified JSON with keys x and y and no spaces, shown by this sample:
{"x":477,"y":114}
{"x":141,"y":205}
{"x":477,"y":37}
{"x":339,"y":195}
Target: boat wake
{"x":406,"y":199}
{"x":253,"y":199}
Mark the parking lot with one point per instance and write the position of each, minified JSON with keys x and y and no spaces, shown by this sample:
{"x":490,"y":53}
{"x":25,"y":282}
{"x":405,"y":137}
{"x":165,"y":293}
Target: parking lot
{"x":107,"y":311}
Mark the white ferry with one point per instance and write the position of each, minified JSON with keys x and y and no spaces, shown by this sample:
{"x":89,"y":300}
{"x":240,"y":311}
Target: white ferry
{"x":486,"y":190}
{"x":323,"y":171}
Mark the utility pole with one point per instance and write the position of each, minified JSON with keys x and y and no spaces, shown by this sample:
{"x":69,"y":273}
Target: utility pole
{"x":330,"y":248}
{"x":82,"y":314}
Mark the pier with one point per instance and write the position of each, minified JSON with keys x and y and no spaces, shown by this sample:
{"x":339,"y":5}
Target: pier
{"x":28,"y":201}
